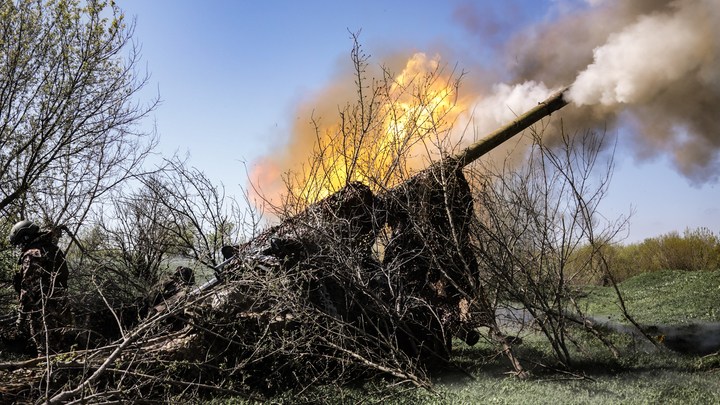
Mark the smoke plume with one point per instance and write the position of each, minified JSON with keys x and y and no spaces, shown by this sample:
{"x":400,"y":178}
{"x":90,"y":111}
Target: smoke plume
{"x":654,"y":60}
{"x":650,"y":64}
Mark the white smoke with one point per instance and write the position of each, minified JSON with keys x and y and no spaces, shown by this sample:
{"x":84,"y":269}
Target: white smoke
{"x":654,"y":61}
{"x":505,"y":103}
{"x":647,"y":57}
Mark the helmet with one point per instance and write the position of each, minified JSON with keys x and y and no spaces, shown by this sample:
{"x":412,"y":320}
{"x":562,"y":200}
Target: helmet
{"x":23,"y":231}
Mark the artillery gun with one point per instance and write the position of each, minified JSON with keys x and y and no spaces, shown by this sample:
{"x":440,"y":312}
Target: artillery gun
{"x":362,"y":212}
{"x":427,"y":266}
{"x":310,"y":290}
{"x":428,"y":247}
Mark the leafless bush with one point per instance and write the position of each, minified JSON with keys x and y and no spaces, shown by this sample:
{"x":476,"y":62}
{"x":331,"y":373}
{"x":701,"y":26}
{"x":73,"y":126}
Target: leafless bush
{"x":176,"y":216}
{"x":533,"y":223}
{"x":371,"y":272}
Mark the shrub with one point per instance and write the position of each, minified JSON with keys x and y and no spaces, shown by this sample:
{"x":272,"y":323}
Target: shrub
{"x":697,"y":249}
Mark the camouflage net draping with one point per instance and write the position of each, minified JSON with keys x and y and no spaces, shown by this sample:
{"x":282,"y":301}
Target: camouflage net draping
{"x":357,"y":284}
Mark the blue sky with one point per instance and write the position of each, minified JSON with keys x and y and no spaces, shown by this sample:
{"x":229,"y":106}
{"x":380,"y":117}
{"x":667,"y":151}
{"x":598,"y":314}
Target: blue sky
{"x":232,"y":73}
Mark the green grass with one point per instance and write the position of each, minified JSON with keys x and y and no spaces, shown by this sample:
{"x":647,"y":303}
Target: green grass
{"x":661,"y":297}
{"x":627,"y":388}
{"x":657,"y":387}
{"x":642,"y":375}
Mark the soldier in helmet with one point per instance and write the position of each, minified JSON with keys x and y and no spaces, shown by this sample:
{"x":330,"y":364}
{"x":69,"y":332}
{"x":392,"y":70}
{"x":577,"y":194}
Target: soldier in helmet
{"x":41,"y":285}
{"x":179,"y":281}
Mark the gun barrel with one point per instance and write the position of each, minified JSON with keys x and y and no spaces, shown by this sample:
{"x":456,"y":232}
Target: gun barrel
{"x":493,"y":140}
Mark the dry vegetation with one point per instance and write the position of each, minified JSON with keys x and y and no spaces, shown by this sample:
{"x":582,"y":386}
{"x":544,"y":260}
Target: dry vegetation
{"x":371,"y":273}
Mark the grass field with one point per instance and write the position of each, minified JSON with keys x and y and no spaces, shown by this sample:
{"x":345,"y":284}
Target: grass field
{"x":661,"y":297}
{"x":642,"y":375}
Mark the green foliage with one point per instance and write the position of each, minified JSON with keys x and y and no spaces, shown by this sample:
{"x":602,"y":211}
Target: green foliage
{"x":67,"y":117}
{"x":709,"y":363}
{"x":624,"y":262}
{"x":697,"y":249}
{"x":8,"y":267}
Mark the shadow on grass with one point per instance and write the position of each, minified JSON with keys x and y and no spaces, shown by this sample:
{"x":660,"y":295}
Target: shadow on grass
{"x":642,"y":375}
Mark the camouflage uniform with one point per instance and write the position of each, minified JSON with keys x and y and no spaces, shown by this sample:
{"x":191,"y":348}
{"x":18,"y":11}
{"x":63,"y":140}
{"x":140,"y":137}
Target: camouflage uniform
{"x":180,"y":280}
{"x":44,"y":278}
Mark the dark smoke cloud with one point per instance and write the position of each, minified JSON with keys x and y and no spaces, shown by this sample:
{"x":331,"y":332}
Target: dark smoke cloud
{"x":492,"y":23}
{"x":655,"y":60}
{"x":652,"y":62}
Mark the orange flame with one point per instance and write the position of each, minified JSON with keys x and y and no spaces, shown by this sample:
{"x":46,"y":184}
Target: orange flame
{"x":396,"y":128}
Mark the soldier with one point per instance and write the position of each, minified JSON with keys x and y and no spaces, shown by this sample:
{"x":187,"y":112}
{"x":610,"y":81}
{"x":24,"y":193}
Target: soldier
{"x":179,"y":281}
{"x":42,"y":286}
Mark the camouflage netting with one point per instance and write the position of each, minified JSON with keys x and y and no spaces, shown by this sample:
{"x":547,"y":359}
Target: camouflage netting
{"x":316,"y":282}
{"x":430,"y":217}
{"x":356,"y":285}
